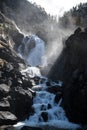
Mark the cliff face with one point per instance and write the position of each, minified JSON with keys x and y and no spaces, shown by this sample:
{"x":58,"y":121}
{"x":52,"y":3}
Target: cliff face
{"x":15,"y":95}
{"x":30,"y":18}
{"x":71,"y":68}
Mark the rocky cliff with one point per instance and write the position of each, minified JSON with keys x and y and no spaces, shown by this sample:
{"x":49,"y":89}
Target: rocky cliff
{"x":15,"y":93}
{"x":30,"y":18}
{"x":71,"y":68}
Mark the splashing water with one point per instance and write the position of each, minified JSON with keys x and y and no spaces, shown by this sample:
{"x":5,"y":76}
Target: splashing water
{"x":33,"y":50}
{"x":46,"y":111}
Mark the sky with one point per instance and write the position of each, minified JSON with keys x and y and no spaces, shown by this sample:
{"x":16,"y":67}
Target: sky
{"x":57,"y":7}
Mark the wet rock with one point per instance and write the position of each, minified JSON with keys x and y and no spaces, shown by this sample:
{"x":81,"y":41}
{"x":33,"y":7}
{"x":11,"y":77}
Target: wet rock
{"x":71,"y":68}
{"x":7,"y":118}
{"x":30,"y":128}
{"x":74,"y":99}
{"x":77,"y":31}
{"x":21,"y":102}
{"x":42,"y":80}
{"x":16,"y":97}
{"x":48,"y":83}
{"x":33,"y":92}
{"x":10,"y":128}
{"x":49,"y":106}
{"x":4,"y":104}
{"x":7,"y":127}
{"x":44,"y":115}
{"x":58,"y":97}
{"x":43,"y":107}
{"x":4,"y":89}
{"x":54,"y":89}
{"x":36,"y":80}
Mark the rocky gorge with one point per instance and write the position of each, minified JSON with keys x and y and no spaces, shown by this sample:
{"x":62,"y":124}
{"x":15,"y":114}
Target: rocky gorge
{"x":14,"y":93}
{"x":73,"y":74}
{"x":67,"y":80}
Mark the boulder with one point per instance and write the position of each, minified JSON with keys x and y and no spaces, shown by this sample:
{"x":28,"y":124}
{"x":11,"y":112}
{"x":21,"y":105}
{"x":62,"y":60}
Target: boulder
{"x":54,"y":89}
{"x":49,"y":106}
{"x":58,"y":96}
{"x":20,"y":102}
{"x":7,"y":118}
{"x":4,"y":89}
{"x":4,"y":104}
{"x":30,"y":128}
{"x":44,"y":115}
{"x":16,"y":97}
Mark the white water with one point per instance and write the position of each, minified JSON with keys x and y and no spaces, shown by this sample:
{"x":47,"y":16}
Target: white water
{"x":43,"y":102}
{"x":56,"y":114}
{"x":34,"y":51}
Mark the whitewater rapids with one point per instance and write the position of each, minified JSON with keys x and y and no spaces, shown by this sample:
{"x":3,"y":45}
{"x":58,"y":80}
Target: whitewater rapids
{"x":44,"y":102}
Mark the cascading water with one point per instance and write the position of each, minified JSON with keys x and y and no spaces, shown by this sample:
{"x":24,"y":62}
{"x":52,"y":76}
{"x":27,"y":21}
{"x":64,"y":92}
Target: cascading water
{"x":33,"y":50}
{"x":46,"y":111}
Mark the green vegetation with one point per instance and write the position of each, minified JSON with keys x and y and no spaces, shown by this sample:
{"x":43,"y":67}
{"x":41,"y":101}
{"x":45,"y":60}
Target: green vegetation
{"x":76,"y":16}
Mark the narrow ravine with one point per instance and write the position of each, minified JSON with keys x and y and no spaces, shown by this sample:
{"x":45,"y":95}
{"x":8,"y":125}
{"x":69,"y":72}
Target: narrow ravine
{"x":47,"y":112}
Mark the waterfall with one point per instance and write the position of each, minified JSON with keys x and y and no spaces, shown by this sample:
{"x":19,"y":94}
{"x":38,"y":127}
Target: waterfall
{"x":32,"y":50}
{"x":47,"y":112}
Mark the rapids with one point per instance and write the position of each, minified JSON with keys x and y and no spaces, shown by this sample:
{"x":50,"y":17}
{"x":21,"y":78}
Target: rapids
{"x":46,"y":111}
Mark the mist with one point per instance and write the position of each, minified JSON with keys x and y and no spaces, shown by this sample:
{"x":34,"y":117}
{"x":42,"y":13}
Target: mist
{"x":57,"y":8}
{"x":51,"y":31}
{"x":55,"y":46}
{"x":39,"y":22}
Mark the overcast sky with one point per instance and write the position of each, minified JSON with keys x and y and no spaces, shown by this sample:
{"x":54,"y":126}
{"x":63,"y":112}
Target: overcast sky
{"x":57,"y":7}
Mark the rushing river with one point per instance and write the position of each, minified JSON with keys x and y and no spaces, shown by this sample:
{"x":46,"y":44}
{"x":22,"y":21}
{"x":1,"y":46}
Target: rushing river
{"x":46,"y":111}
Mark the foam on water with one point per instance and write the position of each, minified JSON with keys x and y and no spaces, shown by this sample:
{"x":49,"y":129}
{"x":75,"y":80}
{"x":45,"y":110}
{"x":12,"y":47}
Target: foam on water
{"x":33,"y":51}
{"x":31,"y":72}
{"x":56,"y":116}
{"x":43,"y":102}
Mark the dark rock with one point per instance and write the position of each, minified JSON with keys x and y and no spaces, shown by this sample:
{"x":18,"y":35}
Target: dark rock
{"x":7,"y":118}
{"x":30,"y":128}
{"x":77,"y":31}
{"x":4,"y":104}
{"x":22,"y":100}
{"x":48,"y":83}
{"x":33,"y":92}
{"x":74,"y":99}
{"x":10,"y":128}
{"x":37,"y":79}
{"x":54,"y":89}
{"x":43,"y":107}
{"x":42,"y":35}
{"x":4,"y":89}
{"x":16,"y":97}
{"x":44,"y":115}
{"x":42,"y":80}
{"x":71,"y":68}
{"x":7,"y":127}
{"x":57,"y":97}
{"x":49,"y":106}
